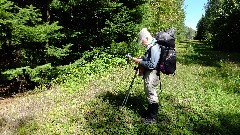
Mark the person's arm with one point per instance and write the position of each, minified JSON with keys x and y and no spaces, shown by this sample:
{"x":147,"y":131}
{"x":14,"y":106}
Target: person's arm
{"x":155,"y":55}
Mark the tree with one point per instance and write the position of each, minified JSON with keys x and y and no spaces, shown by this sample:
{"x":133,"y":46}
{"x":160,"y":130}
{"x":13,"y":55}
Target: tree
{"x":168,"y":13}
{"x":202,"y":29}
{"x":24,"y":36}
{"x":189,"y":33}
{"x":37,"y":32}
{"x":222,"y":18}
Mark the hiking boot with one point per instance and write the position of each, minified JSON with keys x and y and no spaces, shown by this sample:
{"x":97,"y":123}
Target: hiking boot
{"x":151,"y":114}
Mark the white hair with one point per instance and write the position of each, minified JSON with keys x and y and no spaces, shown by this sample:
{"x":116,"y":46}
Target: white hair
{"x":144,"y":33}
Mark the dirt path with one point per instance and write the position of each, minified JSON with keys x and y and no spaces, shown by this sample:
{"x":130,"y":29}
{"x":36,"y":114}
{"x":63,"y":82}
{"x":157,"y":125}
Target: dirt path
{"x":20,"y":110}
{"x":16,"y":111}
{"x":6,"y":101}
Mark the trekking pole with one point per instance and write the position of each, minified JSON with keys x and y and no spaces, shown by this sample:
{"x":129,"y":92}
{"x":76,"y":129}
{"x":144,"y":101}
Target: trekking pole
{"x":128,"y":91}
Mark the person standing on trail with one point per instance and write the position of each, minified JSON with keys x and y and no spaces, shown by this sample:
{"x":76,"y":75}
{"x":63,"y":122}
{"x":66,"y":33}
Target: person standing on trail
{"x":151,"y":74}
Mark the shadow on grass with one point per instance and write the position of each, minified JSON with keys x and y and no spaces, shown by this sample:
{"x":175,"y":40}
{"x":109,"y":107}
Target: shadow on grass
{"x":174,"y":118}
{"x":227,"y":124}
{"x":203,"y":54}
{"x":229,"y":78}
{"x":135,"y":103}
{"x":112,"y":118}
{"x":199,"y":122}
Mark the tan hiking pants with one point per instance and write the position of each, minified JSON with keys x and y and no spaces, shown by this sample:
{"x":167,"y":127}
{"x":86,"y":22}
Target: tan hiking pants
{"x":151,"y":80}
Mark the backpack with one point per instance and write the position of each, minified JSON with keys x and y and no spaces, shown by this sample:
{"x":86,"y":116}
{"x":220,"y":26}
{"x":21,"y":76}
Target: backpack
{"x":166,"y":40}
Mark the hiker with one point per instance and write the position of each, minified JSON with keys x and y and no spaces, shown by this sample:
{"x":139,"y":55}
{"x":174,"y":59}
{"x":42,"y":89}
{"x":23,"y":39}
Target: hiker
{"x":151,"y":74}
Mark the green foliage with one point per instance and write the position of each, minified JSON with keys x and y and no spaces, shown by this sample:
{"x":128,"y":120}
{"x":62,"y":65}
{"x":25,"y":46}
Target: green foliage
{"x":121,"y":49}
{"x":58,"y":52}
{"x":5,"y":13}
{"x":48,"y":34}
{"x":220,"y":26}
{"x":25,"y":38}
{"x":98,"y":62}
{"x":97,"y":24}
{"x":13,"y":73}
{"x":121,"y":26}
{"x":202,"y":98}
{"x":168,"y":13}
{"x":41,"y":74}
{"x":202,"y":29}
{"x":102,"y":23}
{"x":189,"y":33}
{"x":24,"y":25}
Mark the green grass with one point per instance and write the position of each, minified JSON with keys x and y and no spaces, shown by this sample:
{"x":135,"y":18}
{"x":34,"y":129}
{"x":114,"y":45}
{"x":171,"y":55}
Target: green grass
{"x":202,"y":98}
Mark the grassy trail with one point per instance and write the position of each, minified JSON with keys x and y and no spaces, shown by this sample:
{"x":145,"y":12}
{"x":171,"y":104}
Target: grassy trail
{"x":202,"y":98}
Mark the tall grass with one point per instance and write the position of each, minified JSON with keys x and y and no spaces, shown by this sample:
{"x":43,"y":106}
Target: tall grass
{"x":202,"y":98}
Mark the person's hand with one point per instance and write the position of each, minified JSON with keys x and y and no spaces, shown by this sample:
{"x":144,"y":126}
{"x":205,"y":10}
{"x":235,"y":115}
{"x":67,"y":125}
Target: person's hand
{"x":136,"y":60}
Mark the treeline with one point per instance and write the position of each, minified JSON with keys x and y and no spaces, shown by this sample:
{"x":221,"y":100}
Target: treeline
{"x":190,"y":33}
{"x":57,"y":32}
{"x":221,"y":25}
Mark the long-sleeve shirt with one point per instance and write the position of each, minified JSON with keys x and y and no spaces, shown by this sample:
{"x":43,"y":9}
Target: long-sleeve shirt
{"x":151,"y":57}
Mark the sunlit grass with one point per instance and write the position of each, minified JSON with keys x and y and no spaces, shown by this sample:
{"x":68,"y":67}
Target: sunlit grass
{"x":202,"y":98}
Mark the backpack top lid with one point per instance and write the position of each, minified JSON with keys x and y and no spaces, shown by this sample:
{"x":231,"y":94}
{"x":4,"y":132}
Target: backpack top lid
{"x":166,"y":38}
{"x":171,"y":32}
{"x":165,"y":35}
